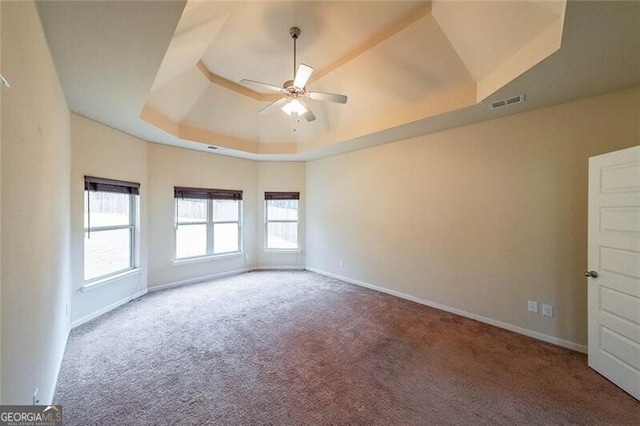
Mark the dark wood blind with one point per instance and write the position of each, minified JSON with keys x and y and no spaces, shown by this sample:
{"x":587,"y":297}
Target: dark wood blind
{"x":206,"y":194}
{"x":92,"y":183}
{"x":281,"y":195}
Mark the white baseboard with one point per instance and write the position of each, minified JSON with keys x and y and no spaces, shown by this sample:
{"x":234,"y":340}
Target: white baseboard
{"x":198,"y":280}
{"x":516,"y":329}
{"x":223,"y":274}
{"x":106,"y":309}
{"x":278,"y":268}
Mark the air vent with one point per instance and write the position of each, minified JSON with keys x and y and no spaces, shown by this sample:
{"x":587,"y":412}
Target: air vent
{"x":506,"y":102}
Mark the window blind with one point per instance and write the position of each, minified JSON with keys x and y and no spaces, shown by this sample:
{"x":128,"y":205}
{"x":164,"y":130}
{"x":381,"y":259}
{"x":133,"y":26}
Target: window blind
{"x":281,"y":195}
{"x":206,"y":194}
{"x":92,"y":183}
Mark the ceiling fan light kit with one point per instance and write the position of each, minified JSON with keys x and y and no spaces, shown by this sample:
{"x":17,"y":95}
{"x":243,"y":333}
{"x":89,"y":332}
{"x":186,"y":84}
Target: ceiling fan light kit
{"x":295,"y":91}
{"x":294,"y":106}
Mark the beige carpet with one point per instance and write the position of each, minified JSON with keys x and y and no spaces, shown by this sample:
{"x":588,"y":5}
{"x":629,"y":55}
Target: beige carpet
{"x":288,"y":348}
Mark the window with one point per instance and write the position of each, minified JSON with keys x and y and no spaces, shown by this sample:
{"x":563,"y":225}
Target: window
{"x":281,"y":220}
{"x":109,"y":227}
{"x":208,"y":222}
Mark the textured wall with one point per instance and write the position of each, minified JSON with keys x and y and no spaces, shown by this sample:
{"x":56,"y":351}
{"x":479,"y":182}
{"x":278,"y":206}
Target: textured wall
{"x":480,"y":218}
{"x":281,"y":177}
{"x":98,"y":150}
{"x":35,"y":210}
{"x":171,"y":166}
{"x":1,"y":96}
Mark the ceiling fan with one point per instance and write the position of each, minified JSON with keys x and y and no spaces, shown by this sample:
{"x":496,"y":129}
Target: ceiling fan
{"x":294,"y":91}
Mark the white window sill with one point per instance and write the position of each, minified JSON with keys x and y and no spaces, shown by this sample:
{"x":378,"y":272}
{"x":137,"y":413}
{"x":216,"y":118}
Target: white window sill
{"x":207,"y":258}
{"x":273,"y":250}
{"x":107,"y":280}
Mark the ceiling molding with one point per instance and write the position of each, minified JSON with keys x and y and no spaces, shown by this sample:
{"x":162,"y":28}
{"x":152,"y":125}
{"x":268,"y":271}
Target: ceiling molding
{"x":203,"y":136}
{"x":232,"y":85}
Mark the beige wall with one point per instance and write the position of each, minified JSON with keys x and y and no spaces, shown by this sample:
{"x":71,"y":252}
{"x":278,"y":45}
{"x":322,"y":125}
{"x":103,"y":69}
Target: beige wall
{"x":281,"y":177}
{"x":98,"y":150}
{"x":35,"y":210}
{"x":1,"y":96}
{"x":170,"y":167}
{"x":479,"y":219}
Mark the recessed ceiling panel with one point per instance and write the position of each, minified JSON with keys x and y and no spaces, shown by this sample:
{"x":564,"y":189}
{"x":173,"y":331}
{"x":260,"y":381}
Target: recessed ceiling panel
{"x":177,"y":97}
{"x":225,"y":113}
{"x":485,"y":34}
{"x":258,"y":32}
{"x":108,"y":53}
{"x":396,"y":61}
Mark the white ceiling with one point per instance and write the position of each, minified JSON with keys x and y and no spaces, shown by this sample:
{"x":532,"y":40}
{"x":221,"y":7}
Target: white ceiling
{"x":408,"y":67}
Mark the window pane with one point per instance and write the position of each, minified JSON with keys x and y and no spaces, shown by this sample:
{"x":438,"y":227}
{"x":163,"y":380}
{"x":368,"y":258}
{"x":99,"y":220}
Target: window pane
{"x":225,"y":210}
{"x":282,"y":235}
{"x":107,"y":209}
{"x":191,"y":240}
{"x":225,"y":237}
{"x":191,"y":210}
{"x":282,"y":209}
{"x":106,"y":252}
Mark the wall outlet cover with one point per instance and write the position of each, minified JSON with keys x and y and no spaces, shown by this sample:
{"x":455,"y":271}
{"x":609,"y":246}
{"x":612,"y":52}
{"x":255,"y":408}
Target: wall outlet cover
{"x":547,"y":310}
{"x":532,"y":306}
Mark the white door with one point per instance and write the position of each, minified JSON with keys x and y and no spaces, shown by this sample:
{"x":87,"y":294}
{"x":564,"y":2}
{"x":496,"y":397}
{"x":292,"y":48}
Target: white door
{"x":614,"y":267}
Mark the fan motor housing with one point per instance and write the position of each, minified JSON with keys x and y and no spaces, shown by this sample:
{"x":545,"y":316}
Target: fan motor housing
{"x":292,"y":91}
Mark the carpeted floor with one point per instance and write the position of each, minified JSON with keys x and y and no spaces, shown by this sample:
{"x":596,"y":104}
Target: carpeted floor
{"x":287,"y":348}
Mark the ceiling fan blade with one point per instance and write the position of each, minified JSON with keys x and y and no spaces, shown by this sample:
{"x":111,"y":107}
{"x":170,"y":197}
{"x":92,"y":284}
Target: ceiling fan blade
{"x":331,"y":97}
{"x":265,"y":86}
{"x":302,"y":76}
{"x":309,"y":116}
{"x":273,"y":105}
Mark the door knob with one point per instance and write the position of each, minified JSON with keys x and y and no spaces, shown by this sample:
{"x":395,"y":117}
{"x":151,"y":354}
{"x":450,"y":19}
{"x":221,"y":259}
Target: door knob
{"x":592,"y":274}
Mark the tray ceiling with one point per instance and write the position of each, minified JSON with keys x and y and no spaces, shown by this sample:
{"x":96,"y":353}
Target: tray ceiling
{"x":169,"y":71}
{"x":398,"y":62}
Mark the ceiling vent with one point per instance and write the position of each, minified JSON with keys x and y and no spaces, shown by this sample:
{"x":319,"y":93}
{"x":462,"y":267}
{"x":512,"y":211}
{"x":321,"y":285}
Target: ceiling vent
{"x":506,"y":102}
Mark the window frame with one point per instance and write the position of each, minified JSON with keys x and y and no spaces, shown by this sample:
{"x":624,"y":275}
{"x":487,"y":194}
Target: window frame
{"x":271,"y":196}
{"x":210,"y":195}
{"x":222,"y":222}
{"x":206,"y":222}
{"x":132,"y":190}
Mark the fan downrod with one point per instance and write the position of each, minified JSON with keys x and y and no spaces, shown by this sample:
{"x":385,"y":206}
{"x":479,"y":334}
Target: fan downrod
{"x":295,"y":32}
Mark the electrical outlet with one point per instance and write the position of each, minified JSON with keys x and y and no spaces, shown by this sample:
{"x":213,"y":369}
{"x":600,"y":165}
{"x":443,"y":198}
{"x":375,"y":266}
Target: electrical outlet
{"x":547,"y":310}
{"x":35,"y":397}
{"x":532,"y":306}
